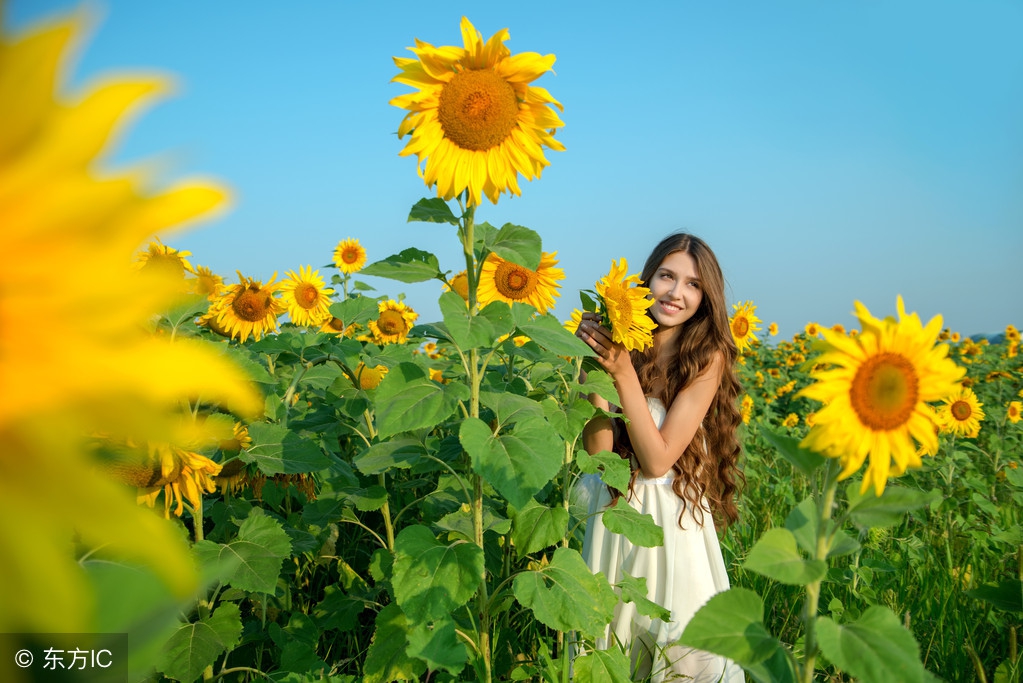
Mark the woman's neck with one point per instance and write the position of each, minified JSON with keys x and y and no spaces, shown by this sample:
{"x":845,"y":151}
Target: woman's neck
{"x":666,"y":344}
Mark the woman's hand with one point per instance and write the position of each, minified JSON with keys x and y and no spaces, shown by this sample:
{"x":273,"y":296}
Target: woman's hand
{"x":611,"y":356}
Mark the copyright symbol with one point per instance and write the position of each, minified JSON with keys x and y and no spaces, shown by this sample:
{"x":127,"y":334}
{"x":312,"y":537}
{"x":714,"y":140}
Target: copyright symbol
{"x":23,"y":658}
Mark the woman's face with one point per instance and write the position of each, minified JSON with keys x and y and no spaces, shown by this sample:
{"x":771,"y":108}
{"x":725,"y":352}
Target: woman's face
{"x":676,"y":290}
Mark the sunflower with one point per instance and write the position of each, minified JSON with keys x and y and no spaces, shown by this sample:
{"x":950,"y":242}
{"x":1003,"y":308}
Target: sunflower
{"x":349,"y":256}
{"x":206,"y":283}
{"x":1013,"y":413}
{"x":370,"y":378}
{"x":475,"y":119}
{"x":790,"y":421}
{"x":812,"y":330}
{"x":183,"y":475}
{"x":961,"y":413}
{"x":459,"y":284}
{"x":159,"y":256}
{"x":60,"y":206}
{"x":743,"y":324}
{"x":875,"y":398}
{"x":502,"y":280}
{"x":572,"y":324}
{"x":624,"y":303}
{"x":393,"y":323}
{"x":772,"y":329}
{"x":747,"y":408}
{"x":1012,"y":333}
{"x":239,"y":441}
{"x":249,"y":307}
{"x":306,"y":296}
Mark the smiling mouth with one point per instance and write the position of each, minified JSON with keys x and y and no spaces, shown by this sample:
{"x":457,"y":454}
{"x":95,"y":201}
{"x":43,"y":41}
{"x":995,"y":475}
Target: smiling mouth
{"x":671,"y":308}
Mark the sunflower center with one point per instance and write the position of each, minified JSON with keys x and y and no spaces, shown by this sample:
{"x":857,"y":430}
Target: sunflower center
{"x":619,"y":305}
{"x":306,"y":295}
{"x":961,"y":410}
{"x":251,"y":305}
{"x":885,"y":391}
{"x":336,"y":324}
{"x":391,"y":322}
{"x":740,"y":327}
{"x":350,"y":255}
{"x":514,"y":281}
{"x":478,"y":109}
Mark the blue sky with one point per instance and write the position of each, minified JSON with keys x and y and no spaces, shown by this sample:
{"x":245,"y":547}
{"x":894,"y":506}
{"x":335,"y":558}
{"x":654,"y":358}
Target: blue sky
{"x":827,"y":151}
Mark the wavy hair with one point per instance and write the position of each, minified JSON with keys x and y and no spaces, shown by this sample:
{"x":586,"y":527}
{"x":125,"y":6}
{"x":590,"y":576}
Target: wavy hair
{"x":709,"y":466}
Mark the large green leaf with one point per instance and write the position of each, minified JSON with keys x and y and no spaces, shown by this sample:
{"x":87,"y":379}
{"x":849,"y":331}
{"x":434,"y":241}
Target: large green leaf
{"x":517,"y":463}
{"x":775,"y":556}
{"x":731,"y":624}
{"x":565,"y":595}
{"x":537,"y":526}
{"x":511,"y":408}
{"x":434,"y":210}
{"x":633,"y":589}
{"x":355,"y":310}
{"x":1007,"y":595}
{"x":517,"y":244}
{"x":875,"y":647}
{"x":255,"y":555}
{"x":567,"y":420}
{"x":431,"y":579}
{"x":339,"y":609}
{"x":474,"y":331}
{"x":600,"y":383}
{"x":195,"y":646}
{"x":640,"y":529}
{"x":395,"y":453}
{"x":411,"y":265}
{"x":321,"y":376}
{"x":386,"y":659}
{"x":806,"y":461}
{"x":602,"y":666}
{"x":802,"y":522}
{"x":614,"y":469}
{"x":278,"y":450}
{"x":546,"y":331}
{"x":869,"y":510}
{"x":437,"y":644}
{"x":408,"y":399}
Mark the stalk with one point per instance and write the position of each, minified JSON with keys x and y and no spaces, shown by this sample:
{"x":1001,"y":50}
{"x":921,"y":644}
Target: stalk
{"x":813,"y":590}
{"x":385,"y":510}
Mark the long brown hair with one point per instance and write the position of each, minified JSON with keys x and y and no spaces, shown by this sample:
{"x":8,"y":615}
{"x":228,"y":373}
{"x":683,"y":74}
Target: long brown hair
{"x":709,"y":466}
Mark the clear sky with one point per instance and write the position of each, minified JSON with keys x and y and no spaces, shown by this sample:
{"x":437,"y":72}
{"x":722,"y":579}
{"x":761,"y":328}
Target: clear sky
{"x":829,"y":151}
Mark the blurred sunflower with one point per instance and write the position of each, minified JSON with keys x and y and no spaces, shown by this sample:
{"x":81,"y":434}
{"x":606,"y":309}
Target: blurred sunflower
{"x":747,"y":408}
{"x":306,"y":297}
{"x":502,"y":280}
{"x":206,"y":283}
{"x":572,"y":324}
{"x":624,"y":303}
{"x":772,"y":329}
{"x":875,"y":398}
{"x":790,"y":421}
{"x":1012,"y":333}
{"x":349,"y":256}
{"x":744,"y":323}
{"x":249,"y":307}
{"x":459,"y":284}
{"x":183,"y":475}
{"x":337,"y":326}
{"x":394,"y":322}
{"x":961,"y":413}
{"x":57,"y":206}
{"x":161,"y":257}
{"x":475,"y":119}
{"x":812,"y":330}
{"x":1014,"y":410}
{"x":239,"y":441}
{"x":370,"y":378}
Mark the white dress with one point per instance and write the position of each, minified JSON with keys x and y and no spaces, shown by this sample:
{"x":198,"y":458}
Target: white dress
{"x":681,"y":576}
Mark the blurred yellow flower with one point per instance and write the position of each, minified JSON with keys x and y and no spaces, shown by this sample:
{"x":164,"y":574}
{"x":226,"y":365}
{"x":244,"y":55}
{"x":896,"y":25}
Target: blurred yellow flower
{"x":875,"y":398}
{"x":746,"y":411}
{"x":625,"y":305}
{"x":370,"y":378}
{"x":58,"y":209}
{"x":249,"y":308}
{"x":183,"y":475}
{"x":1013,"y":413}
{"x":239,"y":441}
{"x":475,"y":119}
{"x":459,"y":284}
{"x":812,"y":329}
{"x":306,"y":296}
{"x":1011,"y":333}
{"x":785,"y":388}
{"x":810,"y":419}
{"x":349,"y":256}
{"x":744,"y":323}
{"x":954,"y":337}
{"x":961,"y":413}
{"x":790,"y":421}
{"x":772,"y":329}
{"x":838,"y":327}
{"x":572,"y":324}
{"x":206,"y":283}
{"x":502,"y":280}
{"x":158,"y":255}
{"x":394,"y":322}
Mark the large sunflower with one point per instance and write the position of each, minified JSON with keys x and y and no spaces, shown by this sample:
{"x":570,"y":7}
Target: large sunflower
{"x":249,"y":307}
{"x":502,"y":280}
{"x":57,"y":206}
{"x":180,"y":475}
{"x":961,"y":413}
{"x":394,"y":322}
{"x":625,"y":303}
{"x":307,"y":297}
{"x":744,"y":324}
{"x":349,"y":256}
{"x":475,"y":119}
{"x":876,"y":395}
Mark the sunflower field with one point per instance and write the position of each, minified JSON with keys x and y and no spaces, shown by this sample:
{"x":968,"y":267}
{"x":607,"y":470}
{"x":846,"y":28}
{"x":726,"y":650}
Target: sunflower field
{"x":296,"y":480}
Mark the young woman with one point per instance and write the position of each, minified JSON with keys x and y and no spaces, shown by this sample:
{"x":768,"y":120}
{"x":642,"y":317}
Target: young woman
{"x":679,"y":398}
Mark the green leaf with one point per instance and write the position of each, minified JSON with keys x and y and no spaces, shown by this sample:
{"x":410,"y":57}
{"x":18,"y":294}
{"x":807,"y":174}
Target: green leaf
{"x":517,"y":244}
{"x":778,"y":668}
{"x":640,"y":529}
{"x":431,"y":579}
{"x":396,"y":453}
{"x":278,"y":450}
{"x":338,"y":610}
{"x":633,"y":589}
{"x":731,"y":624}
{"x":600,"y":383}
{"x":408,"y":399}
{"x":434,"y":210}
{"x":240,"y":357}
{"x":868,"y":510}
{"x":188,"y":308}
{"x":355,"y":310}
{"x":548,"y":332}
{"x":565,"y":595}
{"x":804,"y":460}
{"x":602,"y":666}
{"x":195,"y":646}
{"x":518,"y":463}
{"x":386,"y":659}
{"x":614,"y":469}
{"x":480,"y":330}
{"x":411,"y":265}
{"x":802,"y":522}
{"x":537,"y":526}
{"x":775,"y":556}
{"x":567,"y":420}
{"x":435,"y":643}
{"x":321,"y":376}
{"x":875,"y":647}
{"x":460,"y":522}
{"x":1007,"y":595}
{"x":511,"y":408}
{"x":259,"y":550}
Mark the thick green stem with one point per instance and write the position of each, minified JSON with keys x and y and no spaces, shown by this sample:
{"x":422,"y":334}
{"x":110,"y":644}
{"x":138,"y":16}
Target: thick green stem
{"x":385,"y":510}
{"x":813,"y":590}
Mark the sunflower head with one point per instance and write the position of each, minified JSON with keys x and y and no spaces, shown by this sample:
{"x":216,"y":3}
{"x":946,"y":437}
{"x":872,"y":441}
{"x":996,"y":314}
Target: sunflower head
{"x":349,"y":256}
{"x":306,"y":297}
{"x":812,"y":330}
{"x":1014,"y":411}
{"x":624,"y":302}
{"x":502,"y":280}
{"x":961,"y":413}
{"x":370,"y":378}
{"x":459,"y":284}
{"x":158,"y":256}
{"x":249,"y":308}
{"x":744,"y":325}
{"x":393,"y":324}
{"x":475,"y":120}
{"x":772,"y":329}
{"x":206,"y":283}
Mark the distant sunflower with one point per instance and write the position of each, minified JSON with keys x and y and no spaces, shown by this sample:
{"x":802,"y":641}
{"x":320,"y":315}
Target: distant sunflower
{"x":394,"y":322}
{"x":502,"y":280}
{"x":249,"y":307}
{"x":166,"y":259}
{"x":812,"y":329}
{"x":475,"y":120}
{"x":875,"y":398}
{"x":746,"y":411}
{"x":370,"y":378}
{"x":790,"y":421}
{"x":1012,"y":333}
{"x":838,"y":328}
{"x":349,"y":256}
{"x":961,"y":413}
{"x":184,"y":475}
{"x":772,"y":329}
{"x":625,"y":303}
{"x":459,"y":284}
{"x":206,"y":283}
{"x":306,"y":297}
{"x":744,"y":323}
{"x":1014,"y":411}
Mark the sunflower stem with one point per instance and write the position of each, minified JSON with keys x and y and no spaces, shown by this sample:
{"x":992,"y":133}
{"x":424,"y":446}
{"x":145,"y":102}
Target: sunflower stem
{"x":813,"y":589}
